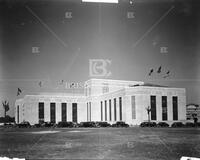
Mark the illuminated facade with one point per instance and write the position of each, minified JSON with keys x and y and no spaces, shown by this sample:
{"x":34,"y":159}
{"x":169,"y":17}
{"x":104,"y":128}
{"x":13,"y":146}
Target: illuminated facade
{"x":105,"y":100}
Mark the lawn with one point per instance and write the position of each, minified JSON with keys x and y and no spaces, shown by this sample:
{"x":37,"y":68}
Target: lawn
{"x":100,"y":143}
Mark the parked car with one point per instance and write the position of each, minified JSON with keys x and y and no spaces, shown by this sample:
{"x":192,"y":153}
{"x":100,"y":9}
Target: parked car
{"x":75,"y":125}
{"x":87,"y":124}
{"x":9,"y":125}
{"x":120,"y":124}
{"x":197,"y":124}
{"x":177,"y":124}
{"x":65,"y":124}
{"x":102,"y":124}
{"x":48,"y":124}
{"x":162,"y":124}
{"x":24,"y":124}
{"x":148,"y":124}
{"x":189,"y":124}
{"x":37,"y":125}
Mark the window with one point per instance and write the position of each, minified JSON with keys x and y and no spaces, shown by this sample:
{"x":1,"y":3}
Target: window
{"x":74,"y":112}
{"x":41,"y":112}
{"x":105,"y":110}
{"x":53,"y":112}
{"x":175,"y":107}
{"x":89,"y":111}
{"x":120,"y":108}
{"x":164,"y":108}
{"x":101,"y":111}
{"x":153,"y":107}
{"x":64,"y":112}
{"x":133,"y":107}
{"x":110,"y":110}
{"x":17,"y":113}
{"x":115,"y":110}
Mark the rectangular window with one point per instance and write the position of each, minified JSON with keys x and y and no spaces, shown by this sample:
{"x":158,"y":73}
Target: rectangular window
{"x":64,"y":112}
{"x":89,"y":111}
{"x":175,"y":107}
{"x":53,"y":112}
{"x":105,"y":110}
{"x":74,"y":112}
{"x":115,"y":110}
{"x":120,"y":108}
{"x":110,"y":111}
{"x":153,"y":107}
{"x":164,"y":108}
{"x":101,"y":111}
{"x":17,"y":113}
{"x":41,"y":112}
{"x":133,"y":107}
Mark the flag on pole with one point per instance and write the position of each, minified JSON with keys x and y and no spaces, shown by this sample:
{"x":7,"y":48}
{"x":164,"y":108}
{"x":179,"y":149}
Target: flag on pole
{"x":19,"y":91}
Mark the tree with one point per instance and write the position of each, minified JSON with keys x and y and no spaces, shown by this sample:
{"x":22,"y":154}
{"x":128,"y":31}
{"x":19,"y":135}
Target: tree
{"x":5,"y":106}
{"x":148,"y":112}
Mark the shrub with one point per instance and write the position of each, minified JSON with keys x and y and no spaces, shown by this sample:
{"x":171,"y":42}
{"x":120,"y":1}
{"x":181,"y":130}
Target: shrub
{"x":48,"y":124}
{"x":198,"y":124}
{"x":102,"y":124}
{"x":87,"y":124}
{"x":65,"y":124}
{"x":7,"y":119}
{"x":177,"y":124}
{"x":148,"y":124}
{"x":38,"y":125}
{"x":120,"y":124}
{"x":162,"y":124}
{"x":189,"y":124}
{"x":24,"y":124}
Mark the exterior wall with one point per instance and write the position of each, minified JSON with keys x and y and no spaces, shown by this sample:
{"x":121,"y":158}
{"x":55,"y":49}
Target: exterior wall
{"x":143,"y":94}
{"x":19,"y":103}
{"x":94,"y":87}
{"x":28,"y":107}
{"x":111,"y":96}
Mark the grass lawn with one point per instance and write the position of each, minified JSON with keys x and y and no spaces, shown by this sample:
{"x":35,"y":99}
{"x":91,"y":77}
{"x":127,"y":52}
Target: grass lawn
{"x":100,"y":143}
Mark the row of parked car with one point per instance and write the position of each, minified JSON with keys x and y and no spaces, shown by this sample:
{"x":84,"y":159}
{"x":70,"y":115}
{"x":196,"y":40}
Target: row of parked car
{"x":174,"y":125}
{"x":26,"y":124}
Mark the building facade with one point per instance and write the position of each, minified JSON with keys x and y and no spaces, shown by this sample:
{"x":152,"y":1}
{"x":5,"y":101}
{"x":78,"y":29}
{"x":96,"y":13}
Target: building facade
{"x":105,"y":100}
{"x":192,"y":111}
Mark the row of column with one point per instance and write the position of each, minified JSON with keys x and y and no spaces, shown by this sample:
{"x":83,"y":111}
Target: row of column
{"x":111,"y":109}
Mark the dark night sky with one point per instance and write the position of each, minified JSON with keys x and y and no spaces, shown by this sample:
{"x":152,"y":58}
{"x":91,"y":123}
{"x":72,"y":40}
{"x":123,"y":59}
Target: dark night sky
{"x":97,"y":31}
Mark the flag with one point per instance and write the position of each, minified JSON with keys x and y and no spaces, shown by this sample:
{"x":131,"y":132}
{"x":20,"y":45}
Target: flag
{"x":159,"y":70}
{"x":19,"y":91}
{"x":151,"y":71}
{"x":40,"y":84}
{"x":168,"y":72}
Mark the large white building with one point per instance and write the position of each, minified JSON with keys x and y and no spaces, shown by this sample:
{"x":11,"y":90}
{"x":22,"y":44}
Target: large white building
{"x":105,"y":100}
